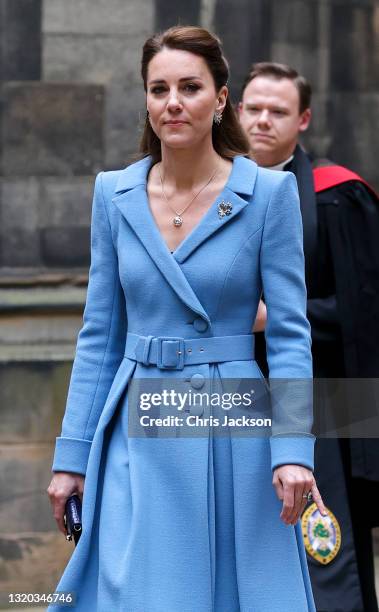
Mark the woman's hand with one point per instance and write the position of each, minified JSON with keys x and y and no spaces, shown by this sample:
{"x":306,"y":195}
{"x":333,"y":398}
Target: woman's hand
{"x":261,"y":318}
{"x":62,"y":485}
{"x":291,"y":482}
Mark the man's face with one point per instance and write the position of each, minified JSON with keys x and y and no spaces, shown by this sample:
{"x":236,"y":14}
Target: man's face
{"x":269,"y":114}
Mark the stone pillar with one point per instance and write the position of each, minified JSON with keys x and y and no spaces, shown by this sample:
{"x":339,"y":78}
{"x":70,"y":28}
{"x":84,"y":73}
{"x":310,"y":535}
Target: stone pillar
{"x":71,"y":97}
{"x":20,"y":36}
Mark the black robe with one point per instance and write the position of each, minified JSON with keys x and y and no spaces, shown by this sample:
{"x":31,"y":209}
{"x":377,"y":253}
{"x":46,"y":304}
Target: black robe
{"x":341,"y":233}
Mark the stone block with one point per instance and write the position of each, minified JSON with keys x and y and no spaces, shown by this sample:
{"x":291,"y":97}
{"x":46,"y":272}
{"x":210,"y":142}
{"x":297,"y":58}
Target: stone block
{"x":19,"y":247}
{"x":24,"y":478}
{"x":62,"y":246}
{"x":170,"y":12}
{"x":120,"y":151}
{"x":97,"y":59}
{"x":65,"y":202}
{"x":36,"y":330}
{"x":296,"y":36}
{"x":252,"y":33}
{"x":318,"y":138}
{"x":295,"y":22}
{"x":64,"y":221}
{"x":31,"y":562}
{"x":19,"y":239}
{"x":108,"y":17}
{"x":52,"y":129}
{"x":95,"y":56}
{"x":354,"y":141}
{"x":299,"y":57}
{"x":117,"y":64}
{"x":32,"y":399}
{"x":125,"y":116}
{"x":45,"y":221}
{"x":19,"y":203}
{"x":354,"y":47}
{"x":20,"y":35}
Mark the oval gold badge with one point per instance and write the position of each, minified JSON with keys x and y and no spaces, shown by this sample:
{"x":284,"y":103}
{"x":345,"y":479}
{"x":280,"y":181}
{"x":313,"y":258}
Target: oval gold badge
{"x":321,"y":534}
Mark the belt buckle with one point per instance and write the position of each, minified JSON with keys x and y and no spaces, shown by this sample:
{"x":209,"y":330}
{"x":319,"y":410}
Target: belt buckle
{"x":170,"y":353}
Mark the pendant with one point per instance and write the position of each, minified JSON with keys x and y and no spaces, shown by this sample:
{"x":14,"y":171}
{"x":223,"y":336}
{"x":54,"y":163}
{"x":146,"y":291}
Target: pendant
{"x":177,"y":221}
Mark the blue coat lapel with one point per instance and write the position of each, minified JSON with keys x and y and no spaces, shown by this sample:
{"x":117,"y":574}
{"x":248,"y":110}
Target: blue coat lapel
{"x":134,"y":207}
{"x":209,"y":224}
{"x":241,"y":183}
{"x":131,"y":199}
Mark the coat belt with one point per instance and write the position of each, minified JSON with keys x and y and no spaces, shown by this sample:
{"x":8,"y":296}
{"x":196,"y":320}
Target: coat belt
{"x":173,"y":353}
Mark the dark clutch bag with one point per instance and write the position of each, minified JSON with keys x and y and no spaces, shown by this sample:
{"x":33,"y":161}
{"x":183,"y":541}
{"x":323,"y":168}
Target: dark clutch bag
{"x":73,"y":518}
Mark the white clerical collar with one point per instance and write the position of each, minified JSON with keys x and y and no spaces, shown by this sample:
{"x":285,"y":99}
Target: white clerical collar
{"x":281,"y":165}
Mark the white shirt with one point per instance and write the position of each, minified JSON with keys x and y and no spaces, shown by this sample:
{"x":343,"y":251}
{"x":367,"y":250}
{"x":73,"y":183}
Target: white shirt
{"x":281,"y":165}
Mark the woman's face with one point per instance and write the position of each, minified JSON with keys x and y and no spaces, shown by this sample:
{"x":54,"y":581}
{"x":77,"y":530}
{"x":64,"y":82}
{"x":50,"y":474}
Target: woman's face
{"x":182,"y":98}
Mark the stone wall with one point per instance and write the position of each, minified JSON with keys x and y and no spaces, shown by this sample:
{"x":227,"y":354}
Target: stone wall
{"x":335,"y":43}
{"x":72,"y":103}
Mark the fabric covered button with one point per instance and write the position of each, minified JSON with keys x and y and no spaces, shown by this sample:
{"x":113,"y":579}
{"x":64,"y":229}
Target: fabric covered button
{"x":197,"y":381}
{"x":196,"y":410}
{"x":200,"y":325}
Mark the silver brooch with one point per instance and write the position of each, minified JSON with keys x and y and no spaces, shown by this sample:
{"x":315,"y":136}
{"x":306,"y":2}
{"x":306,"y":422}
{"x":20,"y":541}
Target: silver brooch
{"x":224,"y":208}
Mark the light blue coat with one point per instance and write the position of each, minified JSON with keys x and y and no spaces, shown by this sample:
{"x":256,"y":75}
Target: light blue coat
{"x":187,"y":525}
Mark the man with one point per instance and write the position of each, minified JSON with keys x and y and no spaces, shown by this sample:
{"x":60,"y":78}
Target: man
{"x":341,"y":229}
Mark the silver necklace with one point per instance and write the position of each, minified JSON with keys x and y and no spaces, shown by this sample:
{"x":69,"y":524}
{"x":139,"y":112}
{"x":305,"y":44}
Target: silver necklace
{"x":177,"y":220}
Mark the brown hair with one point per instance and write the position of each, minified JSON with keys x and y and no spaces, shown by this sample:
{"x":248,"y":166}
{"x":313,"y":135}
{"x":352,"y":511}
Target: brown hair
{"x":282,"y":71}
{"x":228,"y":138}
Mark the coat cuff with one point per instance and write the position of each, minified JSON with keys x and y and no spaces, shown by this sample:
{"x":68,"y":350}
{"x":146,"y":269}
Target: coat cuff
{"x":296,"y":450}
{"x":71,"y":455}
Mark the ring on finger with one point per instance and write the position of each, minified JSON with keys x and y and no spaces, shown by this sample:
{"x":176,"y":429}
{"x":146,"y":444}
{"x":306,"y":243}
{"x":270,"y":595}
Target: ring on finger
{"x":308,"y":496}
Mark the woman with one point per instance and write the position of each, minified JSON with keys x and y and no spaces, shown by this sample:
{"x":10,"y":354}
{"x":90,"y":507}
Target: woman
{"x":188,"y":524}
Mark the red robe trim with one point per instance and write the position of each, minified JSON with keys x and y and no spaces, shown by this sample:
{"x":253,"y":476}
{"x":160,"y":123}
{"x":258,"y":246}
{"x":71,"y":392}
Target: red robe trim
{"x":326,"y":177}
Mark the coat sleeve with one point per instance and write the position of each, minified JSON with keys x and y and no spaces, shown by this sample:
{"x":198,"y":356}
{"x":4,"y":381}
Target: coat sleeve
{"x":100,"y":345}
{"x":287,"y":333}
